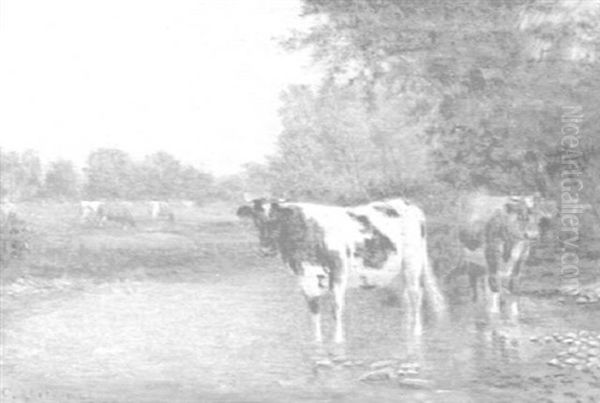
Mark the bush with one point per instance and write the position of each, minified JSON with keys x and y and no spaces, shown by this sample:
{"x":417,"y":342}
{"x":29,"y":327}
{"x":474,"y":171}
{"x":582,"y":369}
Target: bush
{"x":13,"y":239}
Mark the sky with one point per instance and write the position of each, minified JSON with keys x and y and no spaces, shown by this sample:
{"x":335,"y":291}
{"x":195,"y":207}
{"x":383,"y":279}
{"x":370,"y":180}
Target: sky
{"x":200,"y":79}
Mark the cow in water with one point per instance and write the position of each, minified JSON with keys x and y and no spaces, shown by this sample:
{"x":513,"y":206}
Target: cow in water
{"x":117,"y":212}
{"x":496,"y":235}
{"x":331,"y":248}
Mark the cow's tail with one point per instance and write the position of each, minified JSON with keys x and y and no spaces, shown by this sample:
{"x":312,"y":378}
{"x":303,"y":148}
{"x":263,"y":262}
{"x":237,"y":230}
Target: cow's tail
{"x":433,"y":295}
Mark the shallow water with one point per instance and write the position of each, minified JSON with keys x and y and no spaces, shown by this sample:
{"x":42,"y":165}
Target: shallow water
{"x":245,"y":336}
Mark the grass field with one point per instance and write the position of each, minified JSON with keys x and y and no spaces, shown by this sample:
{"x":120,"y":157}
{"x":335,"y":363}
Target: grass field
{"x":62,"y":245}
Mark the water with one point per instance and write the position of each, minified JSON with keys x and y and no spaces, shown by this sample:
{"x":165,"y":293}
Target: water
{"x":245,"y":335}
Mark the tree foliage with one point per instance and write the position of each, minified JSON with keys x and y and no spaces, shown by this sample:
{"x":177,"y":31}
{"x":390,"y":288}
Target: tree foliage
{"x":61,"y":180}
{"x":423,"y":95}
{"x":20,"y":174}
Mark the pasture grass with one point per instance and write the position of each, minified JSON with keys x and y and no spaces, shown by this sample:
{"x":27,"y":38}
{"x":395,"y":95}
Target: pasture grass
{"x":201,"y":240}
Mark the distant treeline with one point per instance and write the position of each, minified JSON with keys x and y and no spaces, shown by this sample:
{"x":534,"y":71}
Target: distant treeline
{"x":108,"y":174}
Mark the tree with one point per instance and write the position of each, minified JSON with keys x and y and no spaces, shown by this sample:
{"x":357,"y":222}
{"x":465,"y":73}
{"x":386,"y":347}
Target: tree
{"x":160,"y":175}
{"x":421,"y":92}
{"x":61,"y":180}
{"x":20,"y":174}
{"x":110,"y":174}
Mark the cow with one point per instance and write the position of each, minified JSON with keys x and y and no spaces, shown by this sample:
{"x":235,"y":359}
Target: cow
{"x":331,"y":249}
{"x":7,"y":208}
{"x":161,"y":209}
{"x":89,"y":209}
{"x":116,"y":212}
{"x":496,"y":235}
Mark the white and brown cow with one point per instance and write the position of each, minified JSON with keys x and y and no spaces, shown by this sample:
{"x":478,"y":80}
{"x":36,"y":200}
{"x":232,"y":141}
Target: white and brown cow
{"x":89,"y":209}
{"x":161,"y":209}
{"x":117,"y":212}
{"x":496,"y":235}
{"x":330,"y":248}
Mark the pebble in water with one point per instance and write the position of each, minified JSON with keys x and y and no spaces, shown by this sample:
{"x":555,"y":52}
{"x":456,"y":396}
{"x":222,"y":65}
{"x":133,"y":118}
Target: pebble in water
{"x":326,"y":363}
{"x":378,"y":375}
{"x":382,"y":363}
{"x":555,"y":363}
{"x":416,"y":383}
{"x":571,"y":361}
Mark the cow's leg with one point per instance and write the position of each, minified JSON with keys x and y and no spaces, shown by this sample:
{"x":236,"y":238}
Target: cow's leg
{"x":314,"y":305}
{"x":313,"y":288}
{"x":518,"y":256}
{"x":412,"y":283}
{"x":493,"y":255}
{"x":339,"y":295}
{"x":473,"y":281}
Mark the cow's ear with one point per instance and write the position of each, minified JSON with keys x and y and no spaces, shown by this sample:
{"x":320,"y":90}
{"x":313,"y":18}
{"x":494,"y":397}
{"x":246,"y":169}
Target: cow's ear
{"x":245,"y":212}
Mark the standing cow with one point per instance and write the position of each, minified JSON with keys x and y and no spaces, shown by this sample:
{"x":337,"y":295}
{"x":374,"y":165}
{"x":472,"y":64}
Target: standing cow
{"x":331,"y":248}
{"x":161,"y":209}
{"x":89,"y":209}
{"x":496,"y":235}
{"x":117,"y":212}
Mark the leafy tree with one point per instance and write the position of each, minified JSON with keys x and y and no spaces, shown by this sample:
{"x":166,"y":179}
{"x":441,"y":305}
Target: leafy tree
{"x":20,"y":174}
{"x":162,"y":176}
{"x":110,"y":174}
{"x":420,"y":92}
{"x":61,"y":180}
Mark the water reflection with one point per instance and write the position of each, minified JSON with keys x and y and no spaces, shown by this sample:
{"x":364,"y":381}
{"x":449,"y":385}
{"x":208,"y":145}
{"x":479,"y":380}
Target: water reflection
{"x":249,"y":338}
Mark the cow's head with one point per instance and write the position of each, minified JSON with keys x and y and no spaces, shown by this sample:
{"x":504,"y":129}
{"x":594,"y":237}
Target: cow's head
{"x":522,"y":211}
{"x":265,"y":215}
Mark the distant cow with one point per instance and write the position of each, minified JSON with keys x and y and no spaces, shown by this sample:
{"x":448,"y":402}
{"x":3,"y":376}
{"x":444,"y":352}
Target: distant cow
{"x":116,"y":212}
{"x":7,"y":208}
{"x":89,"y":209}
{"x":161,"y":209}
{"x":331,"y":248}
{"x":496,"y":235}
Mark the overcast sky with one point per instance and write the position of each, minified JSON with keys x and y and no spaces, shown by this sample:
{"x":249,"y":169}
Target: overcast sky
{"x":199,"y":79}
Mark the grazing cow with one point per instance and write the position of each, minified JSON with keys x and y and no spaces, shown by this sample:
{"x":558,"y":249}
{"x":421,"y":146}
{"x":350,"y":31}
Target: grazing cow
{"x":332,"y":248}
{"x":89,"y":209}
{"x":117,"y":212}
{"x":7,"y":208}
{"x":496,"y":235}
{"x":161,"y":209}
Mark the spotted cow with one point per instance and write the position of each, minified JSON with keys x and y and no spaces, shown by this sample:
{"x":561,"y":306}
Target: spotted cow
{"x":331,"y":249}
